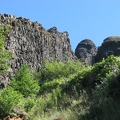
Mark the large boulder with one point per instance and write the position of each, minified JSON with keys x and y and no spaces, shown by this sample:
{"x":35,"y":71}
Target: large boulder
{"x":110,"y":46}
{"x":86,"y":51}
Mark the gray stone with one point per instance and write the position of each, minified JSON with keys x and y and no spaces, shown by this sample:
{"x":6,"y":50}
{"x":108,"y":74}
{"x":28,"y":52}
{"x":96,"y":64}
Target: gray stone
{"x":86,"y":51}
{"x":32,"y":44}
{"x":110,"y":46}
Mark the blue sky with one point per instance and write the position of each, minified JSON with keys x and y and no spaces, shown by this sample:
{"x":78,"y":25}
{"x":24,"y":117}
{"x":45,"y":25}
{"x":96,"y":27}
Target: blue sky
{"x":91,"y":19}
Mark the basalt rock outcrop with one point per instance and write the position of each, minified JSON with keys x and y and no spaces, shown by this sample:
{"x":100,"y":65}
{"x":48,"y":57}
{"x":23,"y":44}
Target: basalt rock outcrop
{"x":110,"y":46}
{"x":30,"y":43}
{"x":86,"y":51}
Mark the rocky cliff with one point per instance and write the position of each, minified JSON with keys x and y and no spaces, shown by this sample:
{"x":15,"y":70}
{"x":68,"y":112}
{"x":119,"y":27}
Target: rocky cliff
{"x":110,"y":46}
{"x":31,"y":43}
{"x":86,"y":50}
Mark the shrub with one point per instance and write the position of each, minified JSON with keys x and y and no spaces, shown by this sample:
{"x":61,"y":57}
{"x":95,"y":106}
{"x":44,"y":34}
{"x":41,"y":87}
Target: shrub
{"x":100,"y":72}
{"x":55,"y":70}
{"x":25,"y":83}
{"x":4,"y":54}
{"x":29,"y":103}
{"x":9,"y":98}
{"x":104,"y":98}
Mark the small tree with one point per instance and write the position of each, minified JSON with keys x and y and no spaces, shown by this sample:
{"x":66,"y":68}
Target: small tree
{"x":24,"y":82}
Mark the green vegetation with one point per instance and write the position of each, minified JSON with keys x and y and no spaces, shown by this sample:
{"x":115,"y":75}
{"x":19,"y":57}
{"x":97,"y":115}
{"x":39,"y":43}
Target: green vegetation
{"x":25,"y":83}
{"x":9,"y":98}
{"x":4,"y":54}
{"x":70,"y":90}
{"x":62,"y":90}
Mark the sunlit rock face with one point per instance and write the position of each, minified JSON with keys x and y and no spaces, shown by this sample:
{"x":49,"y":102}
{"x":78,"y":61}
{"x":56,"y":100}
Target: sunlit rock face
{"x":110,"y":46}
{"x":31,"y":43}
{"x":86,"y":51}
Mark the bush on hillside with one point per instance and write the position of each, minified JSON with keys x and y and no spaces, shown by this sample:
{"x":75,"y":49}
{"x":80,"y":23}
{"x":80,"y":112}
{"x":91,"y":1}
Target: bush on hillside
{"x":55,"y":70}
{"x":9,"y":98}
{"x":104,"y":98}
{"x":100,"y":71}
{"x":25,"y":83}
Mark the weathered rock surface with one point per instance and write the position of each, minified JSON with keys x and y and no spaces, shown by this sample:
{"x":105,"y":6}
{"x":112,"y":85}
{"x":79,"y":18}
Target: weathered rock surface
{"x":86,"y":51}
{"x":110,"y":46}
{"x":30,"y":43}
